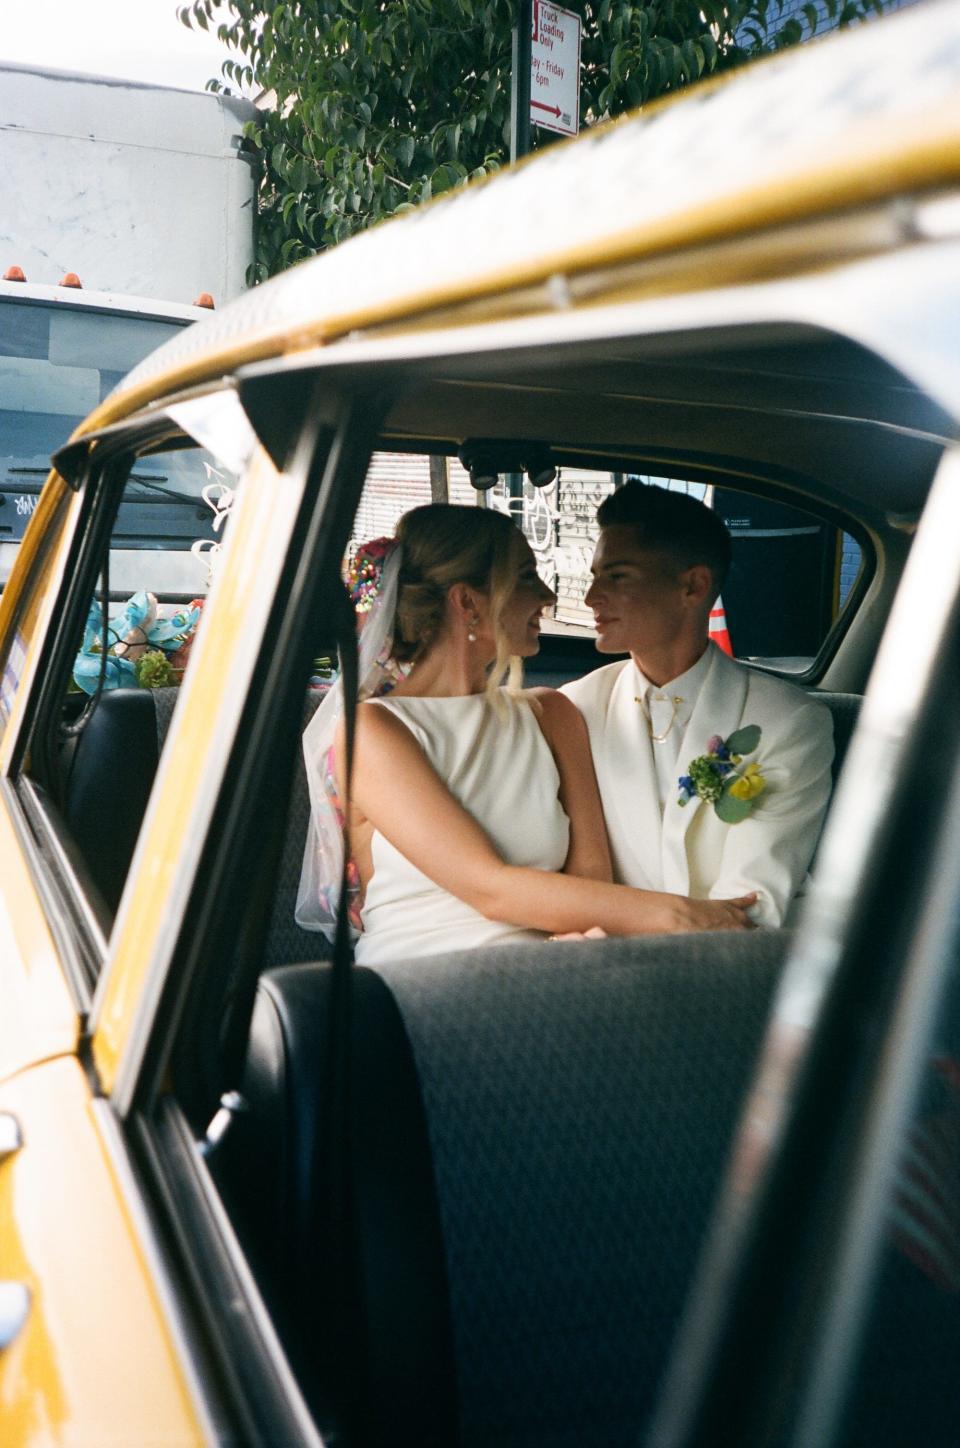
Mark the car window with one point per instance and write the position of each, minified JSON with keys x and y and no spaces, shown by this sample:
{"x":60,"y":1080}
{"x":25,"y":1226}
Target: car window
{"x":97,"y":747}
{"x":56,"y":364}
{"x":168,"y":524}
{"x":792,"y":576}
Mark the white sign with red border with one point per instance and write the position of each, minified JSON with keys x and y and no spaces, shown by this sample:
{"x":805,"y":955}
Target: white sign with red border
{"x":555,"y":69}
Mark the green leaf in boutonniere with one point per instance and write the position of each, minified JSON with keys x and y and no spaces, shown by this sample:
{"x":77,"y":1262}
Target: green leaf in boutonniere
{"x":730,"y":809}
{"x":745,"y":740}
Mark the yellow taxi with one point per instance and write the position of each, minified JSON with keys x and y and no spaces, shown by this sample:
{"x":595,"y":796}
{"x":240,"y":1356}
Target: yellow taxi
{"x":677,"y":1191}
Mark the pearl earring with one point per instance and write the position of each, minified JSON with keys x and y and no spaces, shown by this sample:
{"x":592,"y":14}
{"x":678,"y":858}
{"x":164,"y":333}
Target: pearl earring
{"x":472,"y":631}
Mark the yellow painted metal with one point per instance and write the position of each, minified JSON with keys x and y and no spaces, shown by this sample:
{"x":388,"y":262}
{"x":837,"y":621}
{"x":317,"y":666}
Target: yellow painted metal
{"x":221,"y":663}
{"x":48,"y":505}
{"x":28,"y":600}
{"x":37,"y":1016}
{"x":95,"y":1363}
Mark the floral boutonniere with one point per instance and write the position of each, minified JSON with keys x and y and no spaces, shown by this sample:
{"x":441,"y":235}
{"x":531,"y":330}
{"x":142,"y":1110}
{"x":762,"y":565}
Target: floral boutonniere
{"x":721,"y":777}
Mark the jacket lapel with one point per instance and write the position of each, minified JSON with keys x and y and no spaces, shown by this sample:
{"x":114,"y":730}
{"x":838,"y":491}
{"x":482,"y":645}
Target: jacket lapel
{"x":718,"y":710}
{"x":629,"y":785}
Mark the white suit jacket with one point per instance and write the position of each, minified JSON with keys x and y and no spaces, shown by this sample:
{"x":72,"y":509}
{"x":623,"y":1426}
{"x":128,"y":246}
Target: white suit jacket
{"x":689,"y":851}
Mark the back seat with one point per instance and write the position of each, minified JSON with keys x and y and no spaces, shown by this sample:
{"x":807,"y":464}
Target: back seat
{"x":536,"y":1137}
{"x":845,"y":711}
{"x":111,"y":774}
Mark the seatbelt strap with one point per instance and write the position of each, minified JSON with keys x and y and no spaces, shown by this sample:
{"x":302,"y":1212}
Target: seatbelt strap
{"x":342,"y":946}
{"x":338,"y":1315}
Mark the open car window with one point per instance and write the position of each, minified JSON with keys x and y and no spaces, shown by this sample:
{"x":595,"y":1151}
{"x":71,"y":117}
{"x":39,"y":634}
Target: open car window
{"x":131,"y":616}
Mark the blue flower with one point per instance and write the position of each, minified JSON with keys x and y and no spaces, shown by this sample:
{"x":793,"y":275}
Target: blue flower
{"x":687,"y":789}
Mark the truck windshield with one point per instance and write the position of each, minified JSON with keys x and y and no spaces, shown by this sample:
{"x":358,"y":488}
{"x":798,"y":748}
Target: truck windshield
{"x":57,"y":362}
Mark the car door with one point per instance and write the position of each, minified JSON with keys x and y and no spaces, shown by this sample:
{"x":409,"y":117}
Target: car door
{"x":826,"y":1310}
{"x":88,"y":1340}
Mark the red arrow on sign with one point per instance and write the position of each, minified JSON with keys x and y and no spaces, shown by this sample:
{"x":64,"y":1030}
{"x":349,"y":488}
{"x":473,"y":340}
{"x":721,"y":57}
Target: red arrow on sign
{"x":539,"y":106}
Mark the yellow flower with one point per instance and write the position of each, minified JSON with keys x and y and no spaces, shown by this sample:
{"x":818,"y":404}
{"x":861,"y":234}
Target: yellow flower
{"x":750,"y":784}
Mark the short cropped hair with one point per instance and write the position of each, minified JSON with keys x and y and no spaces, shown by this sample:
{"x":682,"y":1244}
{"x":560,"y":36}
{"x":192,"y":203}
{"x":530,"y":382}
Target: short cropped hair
{"x":675,"y":524}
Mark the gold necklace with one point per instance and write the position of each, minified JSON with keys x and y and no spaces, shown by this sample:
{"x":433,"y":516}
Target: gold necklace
{"x":642,"y":699}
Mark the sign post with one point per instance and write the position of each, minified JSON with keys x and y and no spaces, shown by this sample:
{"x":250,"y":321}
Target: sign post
{"x":520,"y":94}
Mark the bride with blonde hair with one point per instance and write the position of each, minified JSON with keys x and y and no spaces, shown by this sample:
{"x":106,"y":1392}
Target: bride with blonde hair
{"x":474,"y":815}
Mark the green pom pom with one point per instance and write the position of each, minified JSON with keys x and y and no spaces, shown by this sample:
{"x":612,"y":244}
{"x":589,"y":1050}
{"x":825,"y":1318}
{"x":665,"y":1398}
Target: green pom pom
{"x":707,"y":781}
{"x":154,"y":670}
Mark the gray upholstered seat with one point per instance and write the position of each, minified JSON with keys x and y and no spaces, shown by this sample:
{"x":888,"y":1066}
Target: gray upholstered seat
{"x":845,"y":711}
{"x":561,"y":1114}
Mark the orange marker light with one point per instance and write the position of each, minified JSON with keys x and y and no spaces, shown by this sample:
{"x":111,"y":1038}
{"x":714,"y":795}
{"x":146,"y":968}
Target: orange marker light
{"x":204,"y":300}
{"x":70,"y":279}
{"x":14,"y":274}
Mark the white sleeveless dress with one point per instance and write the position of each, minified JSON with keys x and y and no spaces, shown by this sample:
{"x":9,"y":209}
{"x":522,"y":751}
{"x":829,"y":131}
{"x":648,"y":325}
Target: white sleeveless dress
{"x":503,"y":772}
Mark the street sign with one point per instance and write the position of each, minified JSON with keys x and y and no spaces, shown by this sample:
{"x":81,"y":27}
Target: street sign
{"x":555,"y":69}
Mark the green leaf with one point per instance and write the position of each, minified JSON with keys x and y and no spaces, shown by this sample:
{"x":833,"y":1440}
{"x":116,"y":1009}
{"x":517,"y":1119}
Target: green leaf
{"x":732,"y":810}
{"x":745,"y":740}
{"x":616,"y":63}
{"x":441,"y":180}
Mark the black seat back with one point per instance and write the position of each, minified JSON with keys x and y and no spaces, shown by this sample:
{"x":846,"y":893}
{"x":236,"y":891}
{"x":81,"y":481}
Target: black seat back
{"x":112,"y":770}
{"x":537,"y":1133}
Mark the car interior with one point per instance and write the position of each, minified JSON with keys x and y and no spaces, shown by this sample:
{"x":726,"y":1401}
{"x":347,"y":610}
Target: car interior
{"x":472,"y":1198}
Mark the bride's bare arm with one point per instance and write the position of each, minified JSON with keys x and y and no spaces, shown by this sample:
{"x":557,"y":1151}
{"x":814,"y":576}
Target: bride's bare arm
{"x":396,"y":789}
{"x":565,"y":730}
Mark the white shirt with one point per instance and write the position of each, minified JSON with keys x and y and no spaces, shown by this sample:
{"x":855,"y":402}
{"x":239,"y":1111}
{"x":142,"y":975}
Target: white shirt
{"x":666,"y":713}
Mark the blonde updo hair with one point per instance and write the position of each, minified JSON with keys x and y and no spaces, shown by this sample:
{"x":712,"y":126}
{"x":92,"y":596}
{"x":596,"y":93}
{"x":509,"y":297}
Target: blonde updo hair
{"x":445,"y":544}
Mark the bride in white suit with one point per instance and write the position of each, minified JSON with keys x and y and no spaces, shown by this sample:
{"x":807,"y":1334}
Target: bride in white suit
{"x":675,"y":702}
{"x":474,"y":815}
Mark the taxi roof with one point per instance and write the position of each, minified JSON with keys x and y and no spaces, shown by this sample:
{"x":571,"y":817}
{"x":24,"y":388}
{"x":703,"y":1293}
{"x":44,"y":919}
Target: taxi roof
{"x":828,"y":128}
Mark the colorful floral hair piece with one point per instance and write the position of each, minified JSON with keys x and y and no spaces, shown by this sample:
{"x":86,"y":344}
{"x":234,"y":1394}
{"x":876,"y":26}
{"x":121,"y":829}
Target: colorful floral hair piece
{"x":365,"y":572}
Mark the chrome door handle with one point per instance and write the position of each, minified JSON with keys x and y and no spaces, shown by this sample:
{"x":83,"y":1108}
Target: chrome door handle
{"x":14,"y":1306}
{"x":11,"y":1137}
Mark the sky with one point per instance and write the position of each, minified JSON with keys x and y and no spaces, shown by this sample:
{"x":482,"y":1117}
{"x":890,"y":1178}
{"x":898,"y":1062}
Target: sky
{"x":132,"y":39}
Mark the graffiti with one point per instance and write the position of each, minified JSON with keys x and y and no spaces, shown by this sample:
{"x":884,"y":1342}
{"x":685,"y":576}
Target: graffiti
{"x":582,"y":496}
{"x":219,"y":499}
{"x":540,"y":517}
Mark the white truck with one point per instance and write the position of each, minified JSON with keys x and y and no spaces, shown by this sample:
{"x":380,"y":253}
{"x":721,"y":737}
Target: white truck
{"x":120,"y":205}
